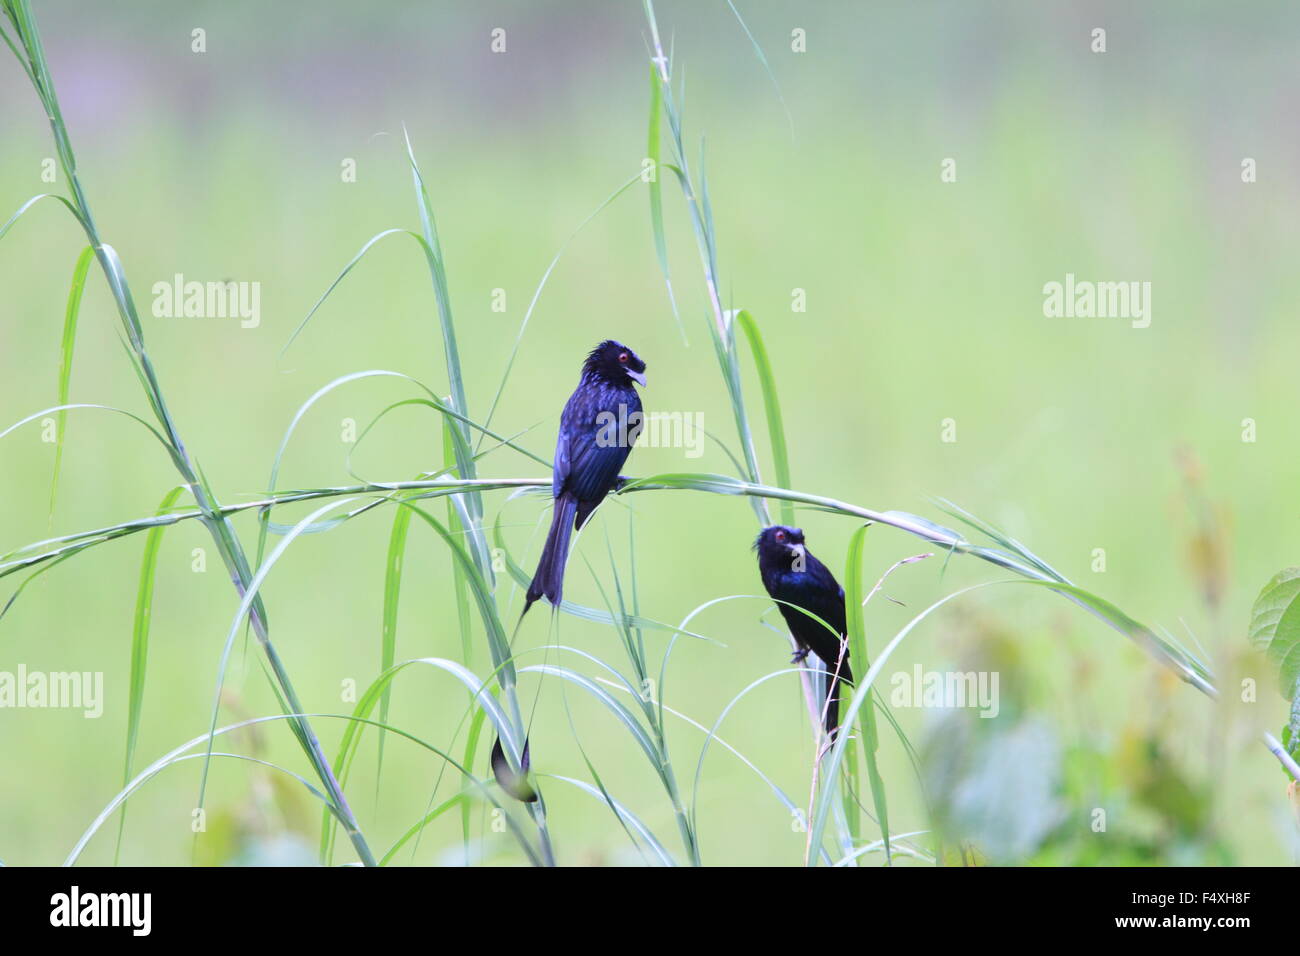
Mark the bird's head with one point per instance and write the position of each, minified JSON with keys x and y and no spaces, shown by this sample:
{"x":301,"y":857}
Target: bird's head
{"x":615,"y":363}
{"x":779,"y":546}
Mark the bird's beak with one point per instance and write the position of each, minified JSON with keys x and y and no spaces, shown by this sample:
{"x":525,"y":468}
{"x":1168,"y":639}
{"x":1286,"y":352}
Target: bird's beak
{"x":638,"y":377}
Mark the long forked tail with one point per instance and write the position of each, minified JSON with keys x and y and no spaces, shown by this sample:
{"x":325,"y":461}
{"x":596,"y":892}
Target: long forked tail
{"x":549,"y":579}
{"x":836,"y":682}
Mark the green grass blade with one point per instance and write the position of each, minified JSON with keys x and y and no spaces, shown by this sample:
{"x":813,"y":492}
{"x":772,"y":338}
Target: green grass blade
{"x":625,"y":816}
{"x":537,"y":294}
{"x":653,"y":153}
{"x":772,"y":408}
{"x":459,"y":800}
{"x":388,"y":632}
{"x":620,"y":712}
{"x":835,"y":756}
{"x":762,"y":58}
{"x":858,"y":653}
{"x":69,"y":339}
{"x":140,"y":648}
{"x":9,"y":223}
{"x":352,"y":263}
{"x":437,"y":273}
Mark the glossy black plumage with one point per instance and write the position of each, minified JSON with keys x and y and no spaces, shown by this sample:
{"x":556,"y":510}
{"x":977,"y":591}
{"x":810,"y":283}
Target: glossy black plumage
{"x":793,"y":576}
{"x":598,"y":427}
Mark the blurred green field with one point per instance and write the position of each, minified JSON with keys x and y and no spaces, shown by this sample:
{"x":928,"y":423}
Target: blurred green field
{"x":924,"y":303}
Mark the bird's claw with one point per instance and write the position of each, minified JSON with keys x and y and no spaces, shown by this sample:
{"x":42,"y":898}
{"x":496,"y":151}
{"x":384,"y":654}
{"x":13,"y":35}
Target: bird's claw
{"x":620,"y":481}
{"x":800,"y":656}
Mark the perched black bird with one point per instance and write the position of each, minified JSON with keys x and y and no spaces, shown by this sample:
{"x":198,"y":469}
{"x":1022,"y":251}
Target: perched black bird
{"x":791,"y":574}
{"x":598,"y":427}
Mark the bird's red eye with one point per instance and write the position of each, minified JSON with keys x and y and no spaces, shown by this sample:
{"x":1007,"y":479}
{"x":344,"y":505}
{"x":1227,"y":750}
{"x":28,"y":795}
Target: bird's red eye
{"x":780,"y":536}
{"x":622,"y":357}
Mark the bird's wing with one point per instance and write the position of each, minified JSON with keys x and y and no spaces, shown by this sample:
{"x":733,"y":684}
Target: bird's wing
{"x":561,"y":472}
{"x":594,"y":452}
{"x":818,"y":592}
{"x":593,"y":467}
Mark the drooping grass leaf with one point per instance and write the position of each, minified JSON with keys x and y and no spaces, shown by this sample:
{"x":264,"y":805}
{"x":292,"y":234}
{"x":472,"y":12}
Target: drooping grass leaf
{"x":66,"y":345}
{"x":459,"y":800}
{"x":140,"y":647}
{"x":858,"y":653}
{"x":537,"y":293}
{"x":656,"y":195}
{"x":393,"y":563}
{"x":772,"y":408}
{"x":835,"y":757}
{"x":762,"y":58}
{"x":172,"y":757}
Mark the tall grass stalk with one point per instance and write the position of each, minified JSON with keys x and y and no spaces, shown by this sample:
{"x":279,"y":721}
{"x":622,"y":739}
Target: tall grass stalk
{"x":26,"y":45}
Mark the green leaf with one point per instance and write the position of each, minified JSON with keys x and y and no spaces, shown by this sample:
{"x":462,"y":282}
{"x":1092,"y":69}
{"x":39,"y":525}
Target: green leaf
{"x":1275,"y":627}
{"x":653,"y":152}
{"x":833,"y":759}
{"x":772,"y":409}
{"x":70,"y":314}
{"x":858,"y":653}
{"x":388,"y":632}
{"x":140,"y":647}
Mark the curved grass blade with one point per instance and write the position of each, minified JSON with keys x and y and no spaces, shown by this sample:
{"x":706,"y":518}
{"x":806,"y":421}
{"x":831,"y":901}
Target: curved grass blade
{"x":459,"y":800}
{"x":656,"y":197}
{"x":625,"y":816}
{"x":66,"y":345}
{"x":712,"y":735}
{"x":771,"y":407}
{"x":762,"y":58}
{"x":341,"y":276}
{"x":537,"y":294}
{"x":442,"y":294}
{"x":620,"y":712}
{"x":664,"y":708}
{"x":580,"y":611}
{"x":32,"y":202}
{"x":140,"y":648}
{"x":107,"y":408}
{"x":835,"y":756}
{"x":388,"y":631}
{"x":28,"y":580}
{"x":305,"y":738}
{"x":853,"y":602}
{"x":480,"y":699}
{"x":205,"y":738}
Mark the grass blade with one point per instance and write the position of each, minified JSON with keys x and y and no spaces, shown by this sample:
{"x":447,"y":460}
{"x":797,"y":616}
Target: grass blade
{"x":388,"y":631}
{"x":140,"y":648}
{"x":858,"y":653}
{"x":70,"y":314}
{"x":771,"y":407}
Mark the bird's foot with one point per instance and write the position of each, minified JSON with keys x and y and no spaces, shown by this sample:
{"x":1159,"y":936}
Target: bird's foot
{"x":620,"y":481}
{"x":800,"y":656}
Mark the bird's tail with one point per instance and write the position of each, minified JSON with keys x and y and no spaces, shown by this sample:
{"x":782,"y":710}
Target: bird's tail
{"x":549,"y":579}
{"x":839,"y":675}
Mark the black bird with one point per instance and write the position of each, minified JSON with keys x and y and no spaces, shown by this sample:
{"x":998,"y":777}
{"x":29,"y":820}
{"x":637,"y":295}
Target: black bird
{"x":598,"y":427}
{"x":791,"y":574}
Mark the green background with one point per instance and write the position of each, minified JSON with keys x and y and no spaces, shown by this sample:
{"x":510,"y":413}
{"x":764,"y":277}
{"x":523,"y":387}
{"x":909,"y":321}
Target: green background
{"x":924,"y":303}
